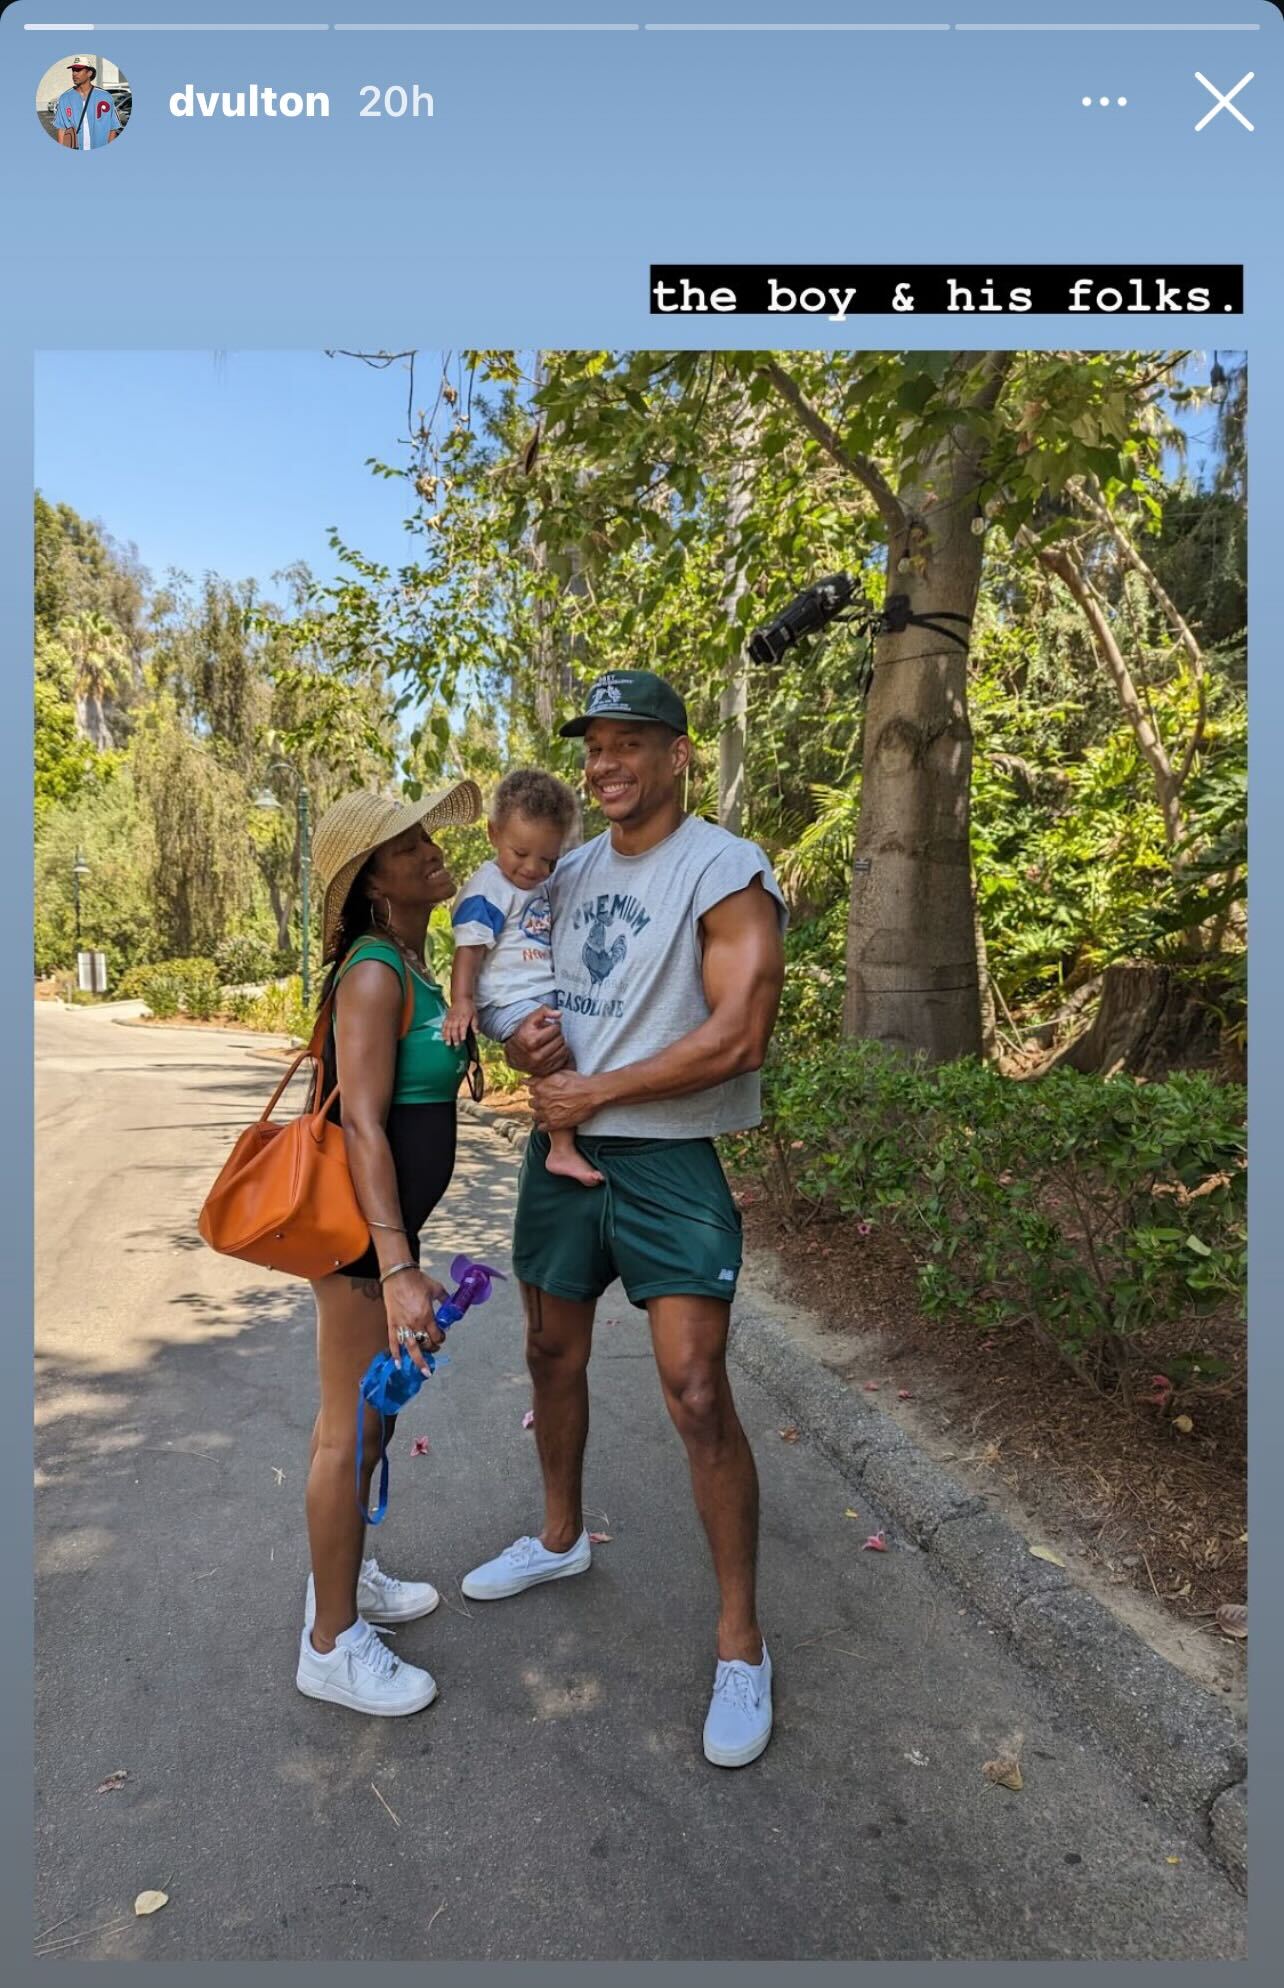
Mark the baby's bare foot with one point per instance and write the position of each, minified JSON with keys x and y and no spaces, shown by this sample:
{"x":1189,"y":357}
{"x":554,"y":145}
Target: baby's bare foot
{"x":565,"y":1157}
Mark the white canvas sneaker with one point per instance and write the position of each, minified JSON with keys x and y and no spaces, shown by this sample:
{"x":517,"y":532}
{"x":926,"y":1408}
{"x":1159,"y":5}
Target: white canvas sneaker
{"x":362,"y":1673}
{"x":381,"y":1597}
{"x":523,"y":1565}
{"x":739,"y":1722}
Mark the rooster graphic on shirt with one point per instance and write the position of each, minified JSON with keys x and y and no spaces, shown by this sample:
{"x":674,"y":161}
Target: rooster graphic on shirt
{"x":598,"y":958}
{"x":604,"y":926}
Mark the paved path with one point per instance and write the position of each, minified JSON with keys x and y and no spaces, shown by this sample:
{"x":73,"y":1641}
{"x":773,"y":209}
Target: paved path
{"x":554,"y":1803}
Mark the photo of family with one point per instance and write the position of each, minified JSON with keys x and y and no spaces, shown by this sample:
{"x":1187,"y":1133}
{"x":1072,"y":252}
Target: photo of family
{"x":661,"y":1116}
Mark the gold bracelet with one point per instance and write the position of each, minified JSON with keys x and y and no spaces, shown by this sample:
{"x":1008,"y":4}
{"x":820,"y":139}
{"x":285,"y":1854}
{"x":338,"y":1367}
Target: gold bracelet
{"x":409,"y":1264}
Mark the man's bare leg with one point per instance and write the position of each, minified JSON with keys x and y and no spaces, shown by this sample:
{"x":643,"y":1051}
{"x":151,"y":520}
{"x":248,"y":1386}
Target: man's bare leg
{"x":559,"y":1339}
{"x":690,"y":1339}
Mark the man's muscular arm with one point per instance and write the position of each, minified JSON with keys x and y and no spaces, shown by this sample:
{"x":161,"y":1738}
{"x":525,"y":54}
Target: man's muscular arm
{"x":743,"y":971}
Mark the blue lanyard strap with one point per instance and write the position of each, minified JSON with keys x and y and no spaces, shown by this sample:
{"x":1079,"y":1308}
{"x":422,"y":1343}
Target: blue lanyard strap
{"x":372,"y":1518}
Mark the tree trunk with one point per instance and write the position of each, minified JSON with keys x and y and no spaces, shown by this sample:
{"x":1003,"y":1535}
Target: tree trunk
{"x":91,"y":720}
{"x":1151,"y":1020}
{"x":911,"y":940}
{"x":734,"y":701}
{"x":554,"y":674}
{"x":281,"y":913}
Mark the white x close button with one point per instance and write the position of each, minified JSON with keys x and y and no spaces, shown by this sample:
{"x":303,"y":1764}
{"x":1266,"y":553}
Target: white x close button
{"x":1223,"y":100}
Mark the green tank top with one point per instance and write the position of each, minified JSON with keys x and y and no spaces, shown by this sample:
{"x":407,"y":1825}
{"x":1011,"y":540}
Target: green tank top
{"x":429,"y":1071}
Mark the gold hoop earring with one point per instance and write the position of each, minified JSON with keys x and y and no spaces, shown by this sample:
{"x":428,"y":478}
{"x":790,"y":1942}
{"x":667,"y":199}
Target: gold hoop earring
{"x":383,"y":924}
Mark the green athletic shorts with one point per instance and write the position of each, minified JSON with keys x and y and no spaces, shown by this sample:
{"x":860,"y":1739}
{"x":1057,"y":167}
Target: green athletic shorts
{"x":664,"y":1222}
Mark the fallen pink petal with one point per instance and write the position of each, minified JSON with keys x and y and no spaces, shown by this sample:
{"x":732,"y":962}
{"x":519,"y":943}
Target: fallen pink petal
{"x":875,"y":1544}
{"x":420,"y":1446}
{"x":871,"y":1387}
{"x":864,"y":1228}
{"x":528,"y":1419}
{"x":904,"y":1394}
{"x":599,"y":1539}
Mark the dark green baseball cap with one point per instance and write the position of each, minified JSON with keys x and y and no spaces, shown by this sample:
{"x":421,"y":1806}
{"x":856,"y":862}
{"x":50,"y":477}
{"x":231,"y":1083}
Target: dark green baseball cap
{"x":630,"y":694}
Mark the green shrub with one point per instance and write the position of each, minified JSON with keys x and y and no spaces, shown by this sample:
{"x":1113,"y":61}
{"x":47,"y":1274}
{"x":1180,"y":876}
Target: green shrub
{"x":174,"y":987}
{"x":1085,"y":1211}
{"x":278,"y":1010}
{"x":245,"y":958}
{"x":501,"y":1077}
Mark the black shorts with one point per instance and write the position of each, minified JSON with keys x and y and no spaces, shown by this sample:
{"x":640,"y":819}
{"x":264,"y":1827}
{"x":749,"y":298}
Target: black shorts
{"x":422,"y":1138}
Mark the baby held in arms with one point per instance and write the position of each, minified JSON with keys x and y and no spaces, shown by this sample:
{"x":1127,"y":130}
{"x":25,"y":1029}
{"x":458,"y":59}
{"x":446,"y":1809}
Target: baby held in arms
{"x":503,"y":967}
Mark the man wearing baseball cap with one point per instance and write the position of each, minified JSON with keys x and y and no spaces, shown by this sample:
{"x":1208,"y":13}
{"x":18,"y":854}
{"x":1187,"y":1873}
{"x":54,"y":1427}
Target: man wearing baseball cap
{"x":668,"y":964}
{"x":85,"y":116}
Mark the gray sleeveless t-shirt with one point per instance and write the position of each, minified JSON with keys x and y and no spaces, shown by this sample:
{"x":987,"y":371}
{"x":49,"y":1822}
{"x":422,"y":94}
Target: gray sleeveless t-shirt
{"x":626,"y":963}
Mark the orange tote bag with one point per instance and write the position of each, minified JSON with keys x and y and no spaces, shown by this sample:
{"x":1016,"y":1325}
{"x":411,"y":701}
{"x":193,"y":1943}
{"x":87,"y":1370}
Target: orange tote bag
{"x":284,"y":1197}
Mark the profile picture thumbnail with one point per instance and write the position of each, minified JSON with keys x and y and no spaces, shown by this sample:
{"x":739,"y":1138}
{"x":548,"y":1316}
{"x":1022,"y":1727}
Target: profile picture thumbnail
{"x":83,"y":102}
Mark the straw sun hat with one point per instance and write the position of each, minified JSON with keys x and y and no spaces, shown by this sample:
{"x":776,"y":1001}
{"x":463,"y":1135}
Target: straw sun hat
{"x":350,"y":832}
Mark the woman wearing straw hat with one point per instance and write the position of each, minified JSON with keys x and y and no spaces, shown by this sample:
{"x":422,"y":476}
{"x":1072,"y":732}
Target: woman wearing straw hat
{"x":381,"y":873}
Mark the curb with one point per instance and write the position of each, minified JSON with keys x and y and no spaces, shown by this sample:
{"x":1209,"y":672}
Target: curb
{"x":1184,"y":1750}
{"x":242,"y":1038}
{"x":497,"y":1121}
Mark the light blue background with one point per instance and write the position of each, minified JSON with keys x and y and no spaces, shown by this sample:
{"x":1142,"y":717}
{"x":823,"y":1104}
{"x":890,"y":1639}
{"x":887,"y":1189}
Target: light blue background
{"x":556,"y":168}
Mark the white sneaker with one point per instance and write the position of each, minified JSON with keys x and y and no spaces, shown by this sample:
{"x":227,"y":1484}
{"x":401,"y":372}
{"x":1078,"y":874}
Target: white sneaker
{"x":362,"y":1673}
{"x":381,"y":1597}
{"x":739,"y":1722}
{"x":522,"y":1565}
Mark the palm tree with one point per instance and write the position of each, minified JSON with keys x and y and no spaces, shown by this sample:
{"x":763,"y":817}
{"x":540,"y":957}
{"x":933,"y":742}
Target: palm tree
{"x":100,"y":659}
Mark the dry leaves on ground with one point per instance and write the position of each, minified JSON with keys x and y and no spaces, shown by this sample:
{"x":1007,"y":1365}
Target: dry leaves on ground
{"x":1145,"y":1504}
{"x":789,"y":1435}
{"x":1004,"y":1771}
{"x":1232,"y":1620}
{"x":150,"y":1901}
{"x":116,"y":1779}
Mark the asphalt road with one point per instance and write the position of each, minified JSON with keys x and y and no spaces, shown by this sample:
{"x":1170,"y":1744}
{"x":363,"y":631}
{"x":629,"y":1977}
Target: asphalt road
{"x":554,"y":1803}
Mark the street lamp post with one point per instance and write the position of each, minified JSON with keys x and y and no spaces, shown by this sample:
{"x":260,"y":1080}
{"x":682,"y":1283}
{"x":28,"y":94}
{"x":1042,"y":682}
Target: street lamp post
{"x":79,"y":869}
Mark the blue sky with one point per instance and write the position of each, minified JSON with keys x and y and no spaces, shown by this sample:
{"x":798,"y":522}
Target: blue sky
{"x":233,"y":463}
{"x":238,"y":463}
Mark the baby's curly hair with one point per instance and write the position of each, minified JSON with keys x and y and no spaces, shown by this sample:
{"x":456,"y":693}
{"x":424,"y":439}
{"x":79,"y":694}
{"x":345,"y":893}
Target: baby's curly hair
{"x":538,"y":795}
